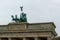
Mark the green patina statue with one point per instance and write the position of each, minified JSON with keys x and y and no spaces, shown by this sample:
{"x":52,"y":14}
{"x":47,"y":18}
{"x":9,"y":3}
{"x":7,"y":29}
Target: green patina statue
{"x":15,"y":18}
{"x":22,"y":17}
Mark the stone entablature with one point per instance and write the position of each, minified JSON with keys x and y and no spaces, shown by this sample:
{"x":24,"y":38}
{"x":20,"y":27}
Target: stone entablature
{"x":24,"y":29}
{"x":21,"y":26}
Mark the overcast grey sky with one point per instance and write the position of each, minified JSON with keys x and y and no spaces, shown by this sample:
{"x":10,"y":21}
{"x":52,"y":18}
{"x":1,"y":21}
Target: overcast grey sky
{"x":37,"y":11}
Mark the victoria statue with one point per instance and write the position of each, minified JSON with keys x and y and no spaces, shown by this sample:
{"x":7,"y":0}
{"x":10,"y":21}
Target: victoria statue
{"x":22,"y":17}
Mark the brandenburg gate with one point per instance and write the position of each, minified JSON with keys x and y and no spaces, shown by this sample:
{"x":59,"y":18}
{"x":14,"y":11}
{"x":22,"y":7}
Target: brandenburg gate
{"x":22,"y":30}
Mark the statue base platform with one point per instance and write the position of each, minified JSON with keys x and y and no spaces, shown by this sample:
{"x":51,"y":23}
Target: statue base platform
{"x":17,"y":25}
